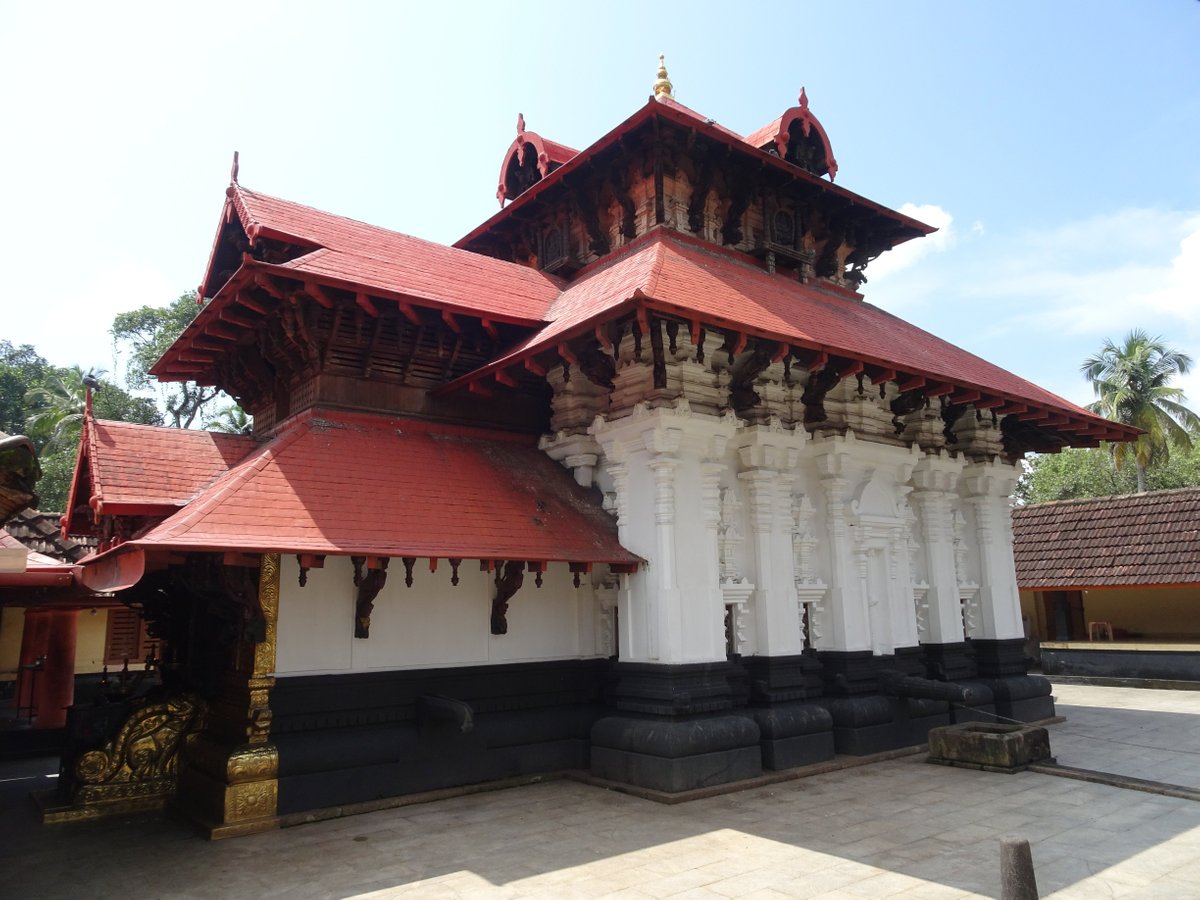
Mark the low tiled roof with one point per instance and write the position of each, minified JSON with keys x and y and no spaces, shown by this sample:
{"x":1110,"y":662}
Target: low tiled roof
{"x":140,"y":468}
{"x":40,"y":531}
{"x":353,"y":484}
{"x":1133,"y":539}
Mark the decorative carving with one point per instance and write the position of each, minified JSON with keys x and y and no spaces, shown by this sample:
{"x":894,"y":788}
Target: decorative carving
{"x":657,"y":355}
{"x":906,"y":404}
{"x":819,"y":384}
{"x":509,"y":579}
{"x":454,"y":564}
{"x":138,"y":769}
{"x":730,"y":535}
{"x":742,"y":395}
{"x":145,"y":750}
{"x":597,"y":366}
{"x":368,"y":589}
{"x":951,"y":413}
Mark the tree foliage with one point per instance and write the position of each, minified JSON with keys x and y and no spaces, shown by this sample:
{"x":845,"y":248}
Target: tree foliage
{"x":1075,"y":474}
{"x":1132,"y":384}
{"x":145,"y":334}
{"x":230,"y":420}
{"x":46,"y":403}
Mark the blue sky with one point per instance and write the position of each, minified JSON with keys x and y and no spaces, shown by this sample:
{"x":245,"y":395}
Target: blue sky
{"x":1056,"y":145}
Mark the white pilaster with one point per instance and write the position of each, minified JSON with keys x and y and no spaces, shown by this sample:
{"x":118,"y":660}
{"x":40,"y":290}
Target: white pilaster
{"x":769,"y":454}
{"x":935,"y":483}
{"x":987,"y":487}
{"x":665,"y":465}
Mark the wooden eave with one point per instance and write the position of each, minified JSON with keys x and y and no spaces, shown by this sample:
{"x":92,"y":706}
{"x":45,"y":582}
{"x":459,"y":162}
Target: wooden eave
{"x":1074,"y":429}
{"x":232,"y":316}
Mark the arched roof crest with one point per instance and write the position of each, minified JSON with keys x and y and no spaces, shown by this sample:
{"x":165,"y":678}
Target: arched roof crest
{"x":779,"y":135}
{"x":548,"y":156}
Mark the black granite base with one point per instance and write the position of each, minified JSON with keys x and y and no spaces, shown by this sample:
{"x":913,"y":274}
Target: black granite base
{"x":794,"y":734}
{"x":674,"y":755}
{"x":949,"y":662}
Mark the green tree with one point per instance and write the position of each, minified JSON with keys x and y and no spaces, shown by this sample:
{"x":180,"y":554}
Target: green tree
{"x":1132,"y":384}
{"x":53,"y":417}
{"x":231,"y":420}
{"x":56,"y":407}
{"x":146,"y":333}
{"x":21,"y":368}
{"x":1075,"y":474}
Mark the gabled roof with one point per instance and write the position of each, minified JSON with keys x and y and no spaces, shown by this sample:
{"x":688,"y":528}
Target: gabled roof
{"x":352,"y":484}
{"x":674,"y":274}
{"x":1124,"y":541}
{"x":139,"y":470}
{"x":360,"y":254}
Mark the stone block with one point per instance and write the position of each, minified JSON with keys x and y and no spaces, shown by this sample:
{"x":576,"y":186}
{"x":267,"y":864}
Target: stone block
{"x":992,"y":747}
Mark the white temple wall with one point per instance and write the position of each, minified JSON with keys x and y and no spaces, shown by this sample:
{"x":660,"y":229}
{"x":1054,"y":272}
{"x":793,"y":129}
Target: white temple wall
{"x":888,"y":545}
{"x":430,"y":625}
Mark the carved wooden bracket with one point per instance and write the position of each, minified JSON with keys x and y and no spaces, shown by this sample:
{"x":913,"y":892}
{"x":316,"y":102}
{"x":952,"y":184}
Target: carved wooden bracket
{"x":369,"y":586}
{"x":742,"y":395}
{"x":509,"y":579}
{"x":308,"y":561}
{"x":813,"y":398}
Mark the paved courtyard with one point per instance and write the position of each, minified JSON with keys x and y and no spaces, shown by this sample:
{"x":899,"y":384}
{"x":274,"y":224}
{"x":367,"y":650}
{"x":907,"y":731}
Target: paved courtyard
{"x":897,"y":828}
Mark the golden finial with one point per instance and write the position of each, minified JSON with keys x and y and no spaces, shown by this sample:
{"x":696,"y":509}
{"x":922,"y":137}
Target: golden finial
{"x":663,"y":87}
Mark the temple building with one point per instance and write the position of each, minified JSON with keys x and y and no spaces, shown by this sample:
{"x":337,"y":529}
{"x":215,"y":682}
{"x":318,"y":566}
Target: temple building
{"x":630,"y":481}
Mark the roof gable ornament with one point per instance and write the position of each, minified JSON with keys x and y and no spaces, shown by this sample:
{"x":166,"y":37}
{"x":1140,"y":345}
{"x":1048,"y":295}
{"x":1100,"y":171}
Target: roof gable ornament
{"x":521,"y":169}
{"x":800,"y":139}
{"x":663,"y":86}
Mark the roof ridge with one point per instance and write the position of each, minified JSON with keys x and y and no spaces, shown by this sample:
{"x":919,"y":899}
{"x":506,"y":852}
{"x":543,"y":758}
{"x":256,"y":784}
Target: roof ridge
{"x":1130,"y":497}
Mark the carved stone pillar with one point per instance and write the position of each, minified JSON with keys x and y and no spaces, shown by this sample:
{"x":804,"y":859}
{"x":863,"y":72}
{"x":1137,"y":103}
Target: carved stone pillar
{"x":987,"y":489}
{"x":769,"y":454}
{"x":935,"y":481}
{"x":228,"y":772}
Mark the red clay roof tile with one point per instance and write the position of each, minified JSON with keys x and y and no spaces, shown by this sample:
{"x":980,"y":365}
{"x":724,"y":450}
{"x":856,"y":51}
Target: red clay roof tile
{"x":343,"y":483}
{"x":145,"y":465}
{"x":1130,"y":540}
{"x":364,"y":254}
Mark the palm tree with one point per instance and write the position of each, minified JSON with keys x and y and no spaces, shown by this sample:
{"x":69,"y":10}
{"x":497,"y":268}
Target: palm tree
{"x":231,"y":420}
{"x":58,"y":406}
{"x":1132,"y":382}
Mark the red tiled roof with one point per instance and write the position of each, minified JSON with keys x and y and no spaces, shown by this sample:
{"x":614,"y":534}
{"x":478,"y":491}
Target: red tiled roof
{"x":716,"y":287}
{"x":1125,"y":541}
{"x":145,"y":466}
{"x":357,"y":253}
{"x":342,"y":483}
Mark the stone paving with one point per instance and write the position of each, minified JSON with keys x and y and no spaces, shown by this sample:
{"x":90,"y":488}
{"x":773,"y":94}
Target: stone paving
{"x":898,"y":828}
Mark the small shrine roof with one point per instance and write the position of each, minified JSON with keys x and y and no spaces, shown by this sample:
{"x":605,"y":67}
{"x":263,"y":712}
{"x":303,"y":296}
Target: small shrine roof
{"x":678,"y":275}
{"x":1126,"y":541}
{"x":355,"y":484}
{"x":146,"y":469}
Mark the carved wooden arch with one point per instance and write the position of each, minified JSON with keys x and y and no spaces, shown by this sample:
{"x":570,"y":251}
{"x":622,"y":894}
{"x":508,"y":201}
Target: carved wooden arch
{"x":517,"y":159}
{"x":810,"y":130}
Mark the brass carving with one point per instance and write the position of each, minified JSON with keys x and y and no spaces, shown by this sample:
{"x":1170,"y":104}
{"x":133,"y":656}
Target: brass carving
{"x":137,"y":769}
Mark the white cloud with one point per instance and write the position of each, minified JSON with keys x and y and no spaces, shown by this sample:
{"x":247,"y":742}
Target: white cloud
{"x":910,"y":252}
